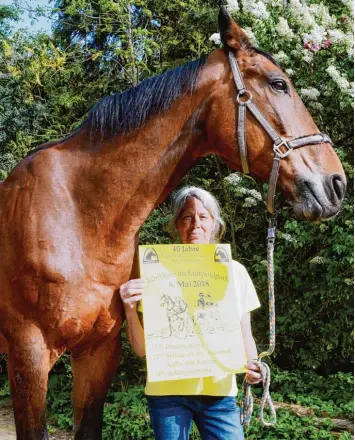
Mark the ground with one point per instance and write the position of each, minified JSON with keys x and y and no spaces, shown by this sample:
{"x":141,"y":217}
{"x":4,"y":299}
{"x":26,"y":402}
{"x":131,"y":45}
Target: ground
{"x":7,"y":426}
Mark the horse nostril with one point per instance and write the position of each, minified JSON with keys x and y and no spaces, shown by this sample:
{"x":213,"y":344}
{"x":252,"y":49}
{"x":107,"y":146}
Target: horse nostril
{"x":338,"y":184}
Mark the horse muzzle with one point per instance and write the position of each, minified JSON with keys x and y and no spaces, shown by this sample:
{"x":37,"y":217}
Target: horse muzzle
{"x":319,"y":199}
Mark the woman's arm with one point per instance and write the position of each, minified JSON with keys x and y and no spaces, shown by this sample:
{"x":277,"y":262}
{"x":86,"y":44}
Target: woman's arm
{"x":253,"y":373}
{"x":249,"y":343}
{"x":131,"y":293}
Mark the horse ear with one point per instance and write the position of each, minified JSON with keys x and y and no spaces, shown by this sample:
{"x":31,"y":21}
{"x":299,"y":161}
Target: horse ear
{"x":232,"y":35}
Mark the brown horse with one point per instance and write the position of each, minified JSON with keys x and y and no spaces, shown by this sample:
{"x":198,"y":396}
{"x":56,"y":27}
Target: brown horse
{"x":71,"y":212}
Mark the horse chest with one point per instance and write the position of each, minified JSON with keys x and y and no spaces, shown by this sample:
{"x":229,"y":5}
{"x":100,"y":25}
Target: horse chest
{"x":92,"y":314}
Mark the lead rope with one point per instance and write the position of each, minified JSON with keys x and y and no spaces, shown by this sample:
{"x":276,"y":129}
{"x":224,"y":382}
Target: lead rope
{"x":247,"y":397}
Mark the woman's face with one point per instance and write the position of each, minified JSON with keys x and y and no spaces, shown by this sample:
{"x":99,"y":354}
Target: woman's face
{"x":194,"y":224}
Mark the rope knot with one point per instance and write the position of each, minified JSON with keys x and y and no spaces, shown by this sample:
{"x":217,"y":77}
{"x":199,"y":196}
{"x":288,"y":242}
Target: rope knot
{"x":248,"y":403}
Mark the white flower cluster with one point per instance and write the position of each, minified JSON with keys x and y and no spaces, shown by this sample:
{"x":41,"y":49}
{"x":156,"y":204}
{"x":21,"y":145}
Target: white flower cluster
{"x":281,"y":57}
{"x":234,"y":179}
{"x":316,"y":106}
{"x":232,"y":5}
{"x":317,"y":26}
{"x":249,"y":202}
{"x":314,"y":40}
{"x":317,"y":260}
{"x":252,"y":195}
{"x":256,"y":8}
{"x":250,"y":34}
{"x":287,"y":237}
{"x":349,"y":42}
{"x":340,"y":80}
{"x":284,"y":30}
{"x":312,"y":94}
{"x":321,"y":13}
{"x":307,"y":56}
{"x":318,"y":29}
{"x":215,"y":38}
{"x":349,"y":4}
{"x":309,"y":28}
{"x":336,"y":35}
{"x":255,"y":194}
{"x":274,"y":3}
{"x":301,"y":14}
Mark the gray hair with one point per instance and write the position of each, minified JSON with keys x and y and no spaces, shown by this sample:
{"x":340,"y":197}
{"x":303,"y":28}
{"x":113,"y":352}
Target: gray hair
{"x":209,"y":202}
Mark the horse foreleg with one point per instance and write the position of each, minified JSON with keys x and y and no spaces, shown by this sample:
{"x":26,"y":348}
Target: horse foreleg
{"x":93,"y":372}
{"x":28,"y":367}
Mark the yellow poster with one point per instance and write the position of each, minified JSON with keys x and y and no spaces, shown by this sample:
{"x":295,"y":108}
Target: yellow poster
{"x":190,"y":310}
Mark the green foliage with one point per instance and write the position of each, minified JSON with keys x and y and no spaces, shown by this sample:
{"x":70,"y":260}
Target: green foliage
{"x":290,"y":426}
{"x":330,"y":396}
{"x":127,"y":416}
{"x":7,"y":15}
{"x":156,"y":228}
{"x":59,"y":397}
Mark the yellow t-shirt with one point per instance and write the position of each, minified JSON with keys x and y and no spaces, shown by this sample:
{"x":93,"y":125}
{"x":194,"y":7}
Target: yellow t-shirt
{"x":225,"y":384}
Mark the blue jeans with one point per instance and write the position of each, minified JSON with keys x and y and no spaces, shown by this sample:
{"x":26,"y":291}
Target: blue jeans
{"x":216,"y":418}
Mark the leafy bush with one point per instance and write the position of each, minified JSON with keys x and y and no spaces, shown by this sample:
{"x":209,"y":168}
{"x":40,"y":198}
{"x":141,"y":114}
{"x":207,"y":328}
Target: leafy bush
{"x":127,"y":416}
{"x":59,"y":397}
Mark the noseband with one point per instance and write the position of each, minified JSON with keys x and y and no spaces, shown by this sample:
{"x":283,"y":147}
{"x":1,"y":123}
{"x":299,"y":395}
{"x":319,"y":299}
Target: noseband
{"x":281,"y":147}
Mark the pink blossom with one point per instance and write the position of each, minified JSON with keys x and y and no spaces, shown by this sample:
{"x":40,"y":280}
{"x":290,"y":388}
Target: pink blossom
{"x":315,"y":47}
{"x":311,"y":45}
{"x":327,"y":43}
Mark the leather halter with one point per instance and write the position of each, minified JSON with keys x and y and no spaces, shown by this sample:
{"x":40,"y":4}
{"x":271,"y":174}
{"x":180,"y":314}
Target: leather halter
{"x":245,"y":101}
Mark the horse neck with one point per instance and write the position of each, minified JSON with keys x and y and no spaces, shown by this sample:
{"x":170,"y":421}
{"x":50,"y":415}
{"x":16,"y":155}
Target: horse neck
{"x":172,"y":304}
{"x":119,"y":183}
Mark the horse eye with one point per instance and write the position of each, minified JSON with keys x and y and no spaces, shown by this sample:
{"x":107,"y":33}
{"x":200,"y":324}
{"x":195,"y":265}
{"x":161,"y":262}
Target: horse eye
{"x":279,"y":85}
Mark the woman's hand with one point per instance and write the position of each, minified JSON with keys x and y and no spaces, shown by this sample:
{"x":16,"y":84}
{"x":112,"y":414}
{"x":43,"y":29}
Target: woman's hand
{"x":131,"y":293}
{"x":253,"y":374}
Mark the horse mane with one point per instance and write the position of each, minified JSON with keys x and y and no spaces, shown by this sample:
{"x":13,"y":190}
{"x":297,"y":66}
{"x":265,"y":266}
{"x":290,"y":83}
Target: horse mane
{"x":121,"y":113}
{"x":266,"y":55}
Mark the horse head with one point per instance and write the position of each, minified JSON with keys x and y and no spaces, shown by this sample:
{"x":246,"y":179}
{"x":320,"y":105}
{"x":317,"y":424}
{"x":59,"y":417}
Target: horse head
{"x":311,"y":177}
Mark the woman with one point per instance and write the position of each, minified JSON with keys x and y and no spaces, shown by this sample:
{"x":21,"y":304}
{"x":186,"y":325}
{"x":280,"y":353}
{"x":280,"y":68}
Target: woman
{"x":209,"y":401}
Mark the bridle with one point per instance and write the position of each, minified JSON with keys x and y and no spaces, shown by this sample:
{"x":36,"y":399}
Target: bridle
{"x":245,"y":101}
